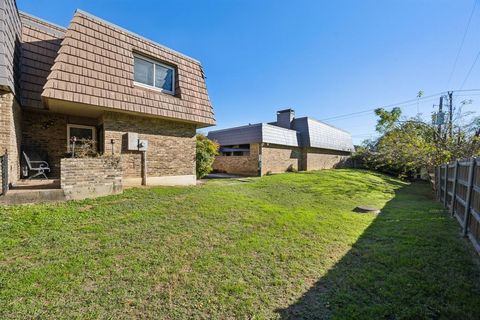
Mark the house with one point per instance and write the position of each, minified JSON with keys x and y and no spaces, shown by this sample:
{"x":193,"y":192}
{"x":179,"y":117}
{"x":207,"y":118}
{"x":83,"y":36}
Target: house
{"x":289,"y":144}
{"x":95,"y":81}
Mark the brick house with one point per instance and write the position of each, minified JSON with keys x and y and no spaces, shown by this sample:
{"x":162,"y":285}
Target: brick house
{"x":96,"y":81}
{"x":289,"y":144}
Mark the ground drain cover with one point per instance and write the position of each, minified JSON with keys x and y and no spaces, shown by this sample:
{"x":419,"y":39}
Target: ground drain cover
{"x":366,"y":209}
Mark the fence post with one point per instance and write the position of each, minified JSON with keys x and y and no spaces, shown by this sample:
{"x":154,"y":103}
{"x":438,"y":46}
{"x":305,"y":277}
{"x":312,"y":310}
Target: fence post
{"x":4,"y":164}
{"x":437,"y":182}
{"x":445,"y":185}
{"x":468,"y":201}
{"x":454,"y":187}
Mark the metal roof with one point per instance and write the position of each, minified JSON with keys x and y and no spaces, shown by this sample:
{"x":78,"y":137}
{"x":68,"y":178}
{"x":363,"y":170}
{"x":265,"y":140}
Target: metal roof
{"x":305,"y":132}
{"x":255,"y":133}
{"x":317,"y":134}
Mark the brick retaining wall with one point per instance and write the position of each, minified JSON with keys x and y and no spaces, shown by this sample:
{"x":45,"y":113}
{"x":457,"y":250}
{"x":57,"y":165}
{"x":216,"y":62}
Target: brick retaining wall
{"x":90,"y":177}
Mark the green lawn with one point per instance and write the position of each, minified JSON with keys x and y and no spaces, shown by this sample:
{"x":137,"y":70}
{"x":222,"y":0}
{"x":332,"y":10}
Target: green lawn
{"x":284,"y":246}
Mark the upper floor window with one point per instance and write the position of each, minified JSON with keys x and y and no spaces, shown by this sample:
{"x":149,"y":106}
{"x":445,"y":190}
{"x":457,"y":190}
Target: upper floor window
{"x":154,"y":74}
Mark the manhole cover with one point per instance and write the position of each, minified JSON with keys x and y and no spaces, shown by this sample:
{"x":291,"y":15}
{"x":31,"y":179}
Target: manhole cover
{"x":366,"y":209}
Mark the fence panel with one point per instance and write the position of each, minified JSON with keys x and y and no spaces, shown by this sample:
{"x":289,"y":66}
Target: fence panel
{"x":458,"y":188}
{"x":441,"y":180}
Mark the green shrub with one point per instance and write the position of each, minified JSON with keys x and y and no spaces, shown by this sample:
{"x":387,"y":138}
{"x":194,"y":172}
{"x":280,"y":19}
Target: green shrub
{"x":206,"y":152}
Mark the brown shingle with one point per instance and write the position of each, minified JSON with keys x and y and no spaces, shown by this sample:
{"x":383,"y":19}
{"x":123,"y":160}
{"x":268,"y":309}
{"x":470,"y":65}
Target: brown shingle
{"x":102,"y":54}
{"x":40,"y":44}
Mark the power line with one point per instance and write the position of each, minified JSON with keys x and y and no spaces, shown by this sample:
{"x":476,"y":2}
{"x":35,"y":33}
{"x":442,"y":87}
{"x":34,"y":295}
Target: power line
{"x":462,"y":42}
{"x":402,"y":103}
{"x":465,"y":90}
{"x":471,"y":68}
{"x":367,"y":113}
{"x":414,"y":101}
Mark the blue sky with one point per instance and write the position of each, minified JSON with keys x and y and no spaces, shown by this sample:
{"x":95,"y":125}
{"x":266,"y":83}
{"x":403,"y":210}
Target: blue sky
{"x":322,"y":58}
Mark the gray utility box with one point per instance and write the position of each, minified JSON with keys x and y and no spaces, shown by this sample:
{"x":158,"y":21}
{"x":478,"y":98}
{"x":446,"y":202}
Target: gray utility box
{"x":135,"y":144}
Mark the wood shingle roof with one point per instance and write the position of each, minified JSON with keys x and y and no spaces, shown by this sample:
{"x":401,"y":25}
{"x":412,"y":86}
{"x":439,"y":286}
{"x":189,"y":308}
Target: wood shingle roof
{"x":94,"y":66}
{"x":40,"y":45}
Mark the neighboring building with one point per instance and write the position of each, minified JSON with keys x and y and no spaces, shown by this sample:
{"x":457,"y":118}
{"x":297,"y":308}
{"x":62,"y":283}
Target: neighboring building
{"x":96,"y":81}
{"x":289,"y":144}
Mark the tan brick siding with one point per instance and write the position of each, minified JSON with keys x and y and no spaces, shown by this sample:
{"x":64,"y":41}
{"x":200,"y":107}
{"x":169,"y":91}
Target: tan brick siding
{"x":171,"y":145}
{"x":317,"y":159}
{"x":10,"y":133}
{"x":171,"y":150}
{"x":241,"y":165}
{"x":277,"y":159}
{"x":46,"y":132}
{"x":90,"y":177}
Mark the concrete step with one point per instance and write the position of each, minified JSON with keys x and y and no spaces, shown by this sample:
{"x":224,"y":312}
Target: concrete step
{"x":20,"y":196}
{"x":37,"y":184}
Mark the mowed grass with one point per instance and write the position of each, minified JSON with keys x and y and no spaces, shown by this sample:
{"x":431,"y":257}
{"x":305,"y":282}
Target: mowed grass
{"x":284,"y":246}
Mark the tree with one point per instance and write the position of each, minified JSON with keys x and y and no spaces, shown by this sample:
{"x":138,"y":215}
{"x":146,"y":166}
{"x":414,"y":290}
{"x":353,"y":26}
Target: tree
{"x":387,"y":119}
{"x":406,"y":148}
{"x":205,"y":155}
{"x":407,"y":145}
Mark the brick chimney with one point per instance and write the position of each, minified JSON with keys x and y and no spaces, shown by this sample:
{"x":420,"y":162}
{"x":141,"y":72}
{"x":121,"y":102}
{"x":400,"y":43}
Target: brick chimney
{"x":285,"y":118}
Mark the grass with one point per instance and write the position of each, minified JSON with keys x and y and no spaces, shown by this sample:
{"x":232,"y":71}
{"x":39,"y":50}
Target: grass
{"x":284,"y":246}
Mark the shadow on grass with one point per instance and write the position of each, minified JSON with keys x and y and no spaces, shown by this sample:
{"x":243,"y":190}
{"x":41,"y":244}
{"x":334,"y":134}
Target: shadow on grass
{"x":410,"y":263}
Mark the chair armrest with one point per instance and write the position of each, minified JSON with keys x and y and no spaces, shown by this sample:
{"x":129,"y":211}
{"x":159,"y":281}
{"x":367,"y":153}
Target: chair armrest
{"x":42,"y":164}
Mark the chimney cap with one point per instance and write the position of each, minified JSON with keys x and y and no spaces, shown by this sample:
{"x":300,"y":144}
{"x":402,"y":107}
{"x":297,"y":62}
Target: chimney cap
{"x":286,"y":110}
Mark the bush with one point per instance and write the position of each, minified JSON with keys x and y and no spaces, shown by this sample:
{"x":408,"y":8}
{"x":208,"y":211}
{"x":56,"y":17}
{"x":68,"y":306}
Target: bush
{"x":206,"y":152}
{"x":291,"y":168}
{"x":86,"y":148}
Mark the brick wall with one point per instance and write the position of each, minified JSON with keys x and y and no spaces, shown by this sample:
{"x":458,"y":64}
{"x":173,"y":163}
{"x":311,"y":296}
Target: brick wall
{"x":317,"y":159}
{"x":241,"y":165}
{"x":46,"y":132}
{"x":276,"y":158}
{"x":10,"y":132}
{"x":171,"y":145}
{"x":91,"y":177}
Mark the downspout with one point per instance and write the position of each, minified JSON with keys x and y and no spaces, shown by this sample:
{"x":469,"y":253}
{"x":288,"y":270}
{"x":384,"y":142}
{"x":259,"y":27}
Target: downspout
{"x":260,"y":145}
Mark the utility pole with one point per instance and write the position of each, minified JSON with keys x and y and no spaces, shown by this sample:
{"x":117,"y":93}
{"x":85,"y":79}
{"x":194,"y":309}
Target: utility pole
{"x":450,"y":114}
{"x":439,"y":116}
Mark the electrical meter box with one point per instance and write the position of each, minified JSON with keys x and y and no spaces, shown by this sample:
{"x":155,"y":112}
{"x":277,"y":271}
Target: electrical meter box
{"x":132,"y":139}
{"x":135,"y":144}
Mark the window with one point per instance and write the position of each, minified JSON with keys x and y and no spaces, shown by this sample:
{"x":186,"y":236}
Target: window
{"x":236,"y":150}
{"x":83,"y":134}
{"x":154,"y":74}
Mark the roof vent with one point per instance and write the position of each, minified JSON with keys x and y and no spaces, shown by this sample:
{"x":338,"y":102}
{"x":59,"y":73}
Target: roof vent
{"x":285,"y":118}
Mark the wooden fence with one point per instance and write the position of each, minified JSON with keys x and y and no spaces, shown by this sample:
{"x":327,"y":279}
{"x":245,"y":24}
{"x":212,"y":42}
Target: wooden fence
{"x":458,"y":188}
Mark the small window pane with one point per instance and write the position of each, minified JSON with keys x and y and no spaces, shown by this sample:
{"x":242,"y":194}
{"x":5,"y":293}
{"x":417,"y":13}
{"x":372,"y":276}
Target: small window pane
{"x":81,"y":133}
{"x":143,"y":71}
{"x":163,"y":78}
